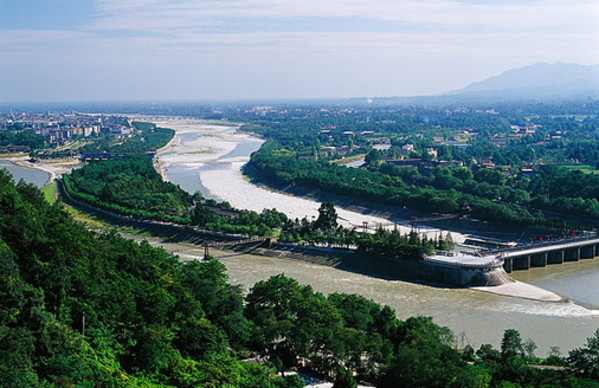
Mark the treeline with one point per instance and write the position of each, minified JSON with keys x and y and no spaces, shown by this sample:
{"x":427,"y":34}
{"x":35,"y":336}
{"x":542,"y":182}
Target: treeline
{"x":326,"y":231}
{"x":552,"y":188}
{"x":566,"y":191}
{"x":380,"y":187}
{"x":150,"y":137}
{"x":84,"y":309}
{"x":22,"y":138}
{"x":131,"y":186}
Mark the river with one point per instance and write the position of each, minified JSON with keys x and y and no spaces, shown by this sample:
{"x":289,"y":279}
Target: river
{"x":208,"y":158}
{"x":29,"y":175}
{"x":475,"y":317}
{"x":209,"y":161}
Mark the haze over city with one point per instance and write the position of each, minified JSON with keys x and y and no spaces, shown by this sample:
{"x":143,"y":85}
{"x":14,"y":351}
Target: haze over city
{"x":66,"y":50}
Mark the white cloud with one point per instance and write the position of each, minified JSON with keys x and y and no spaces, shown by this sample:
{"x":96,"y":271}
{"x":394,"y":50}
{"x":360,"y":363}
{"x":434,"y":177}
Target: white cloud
{"x":385,"y":47}
{"x":117,"y":14}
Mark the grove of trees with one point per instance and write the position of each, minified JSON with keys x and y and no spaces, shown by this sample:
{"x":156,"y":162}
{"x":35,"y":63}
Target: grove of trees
{"x":78,"y":308}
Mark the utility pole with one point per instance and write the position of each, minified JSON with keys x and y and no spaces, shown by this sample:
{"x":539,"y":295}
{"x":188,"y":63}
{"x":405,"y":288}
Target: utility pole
{"x":206,"y":251}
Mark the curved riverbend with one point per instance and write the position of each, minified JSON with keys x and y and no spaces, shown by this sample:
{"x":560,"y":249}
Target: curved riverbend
{"x":204,"y":157}
{"x":475,"y":317}
{"x":208,"y":158}
{"x":29,"y":174}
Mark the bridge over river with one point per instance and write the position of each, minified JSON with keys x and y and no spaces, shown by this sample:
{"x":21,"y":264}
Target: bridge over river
{"x":549,"y":252}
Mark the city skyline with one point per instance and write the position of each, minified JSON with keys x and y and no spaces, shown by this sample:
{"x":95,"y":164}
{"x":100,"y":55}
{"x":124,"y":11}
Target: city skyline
{"x":66,"y":50}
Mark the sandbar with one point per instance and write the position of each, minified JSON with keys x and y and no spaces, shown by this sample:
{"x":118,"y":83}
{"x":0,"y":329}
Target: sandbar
{"x":522,"y":290}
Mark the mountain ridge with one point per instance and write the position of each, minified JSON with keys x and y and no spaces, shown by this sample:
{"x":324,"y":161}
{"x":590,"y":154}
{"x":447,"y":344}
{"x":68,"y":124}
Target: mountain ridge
{"x":537,"y":81}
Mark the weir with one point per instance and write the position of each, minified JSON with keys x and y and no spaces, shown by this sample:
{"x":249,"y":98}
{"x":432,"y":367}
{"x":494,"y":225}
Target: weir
{"x":491,"y":267}
{"x":464,"y":269}
{"x":548,"y":253}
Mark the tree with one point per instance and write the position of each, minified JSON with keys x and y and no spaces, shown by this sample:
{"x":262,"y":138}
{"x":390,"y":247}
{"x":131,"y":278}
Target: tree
{"x":373,"y":157}
{"x":511,"y":344}
{"x":586,"y":359}
{"x":529,"y":347}
{"x":327,"y":217}
{"x":344,"y":378}
{"x":487,"y":353}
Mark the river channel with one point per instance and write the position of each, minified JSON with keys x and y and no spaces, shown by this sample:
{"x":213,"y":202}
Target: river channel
{"x":29,"y":175}
{"x":209,"y":160}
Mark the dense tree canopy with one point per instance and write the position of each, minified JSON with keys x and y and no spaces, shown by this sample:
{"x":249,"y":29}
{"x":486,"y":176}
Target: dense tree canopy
{"x":84,"y":309}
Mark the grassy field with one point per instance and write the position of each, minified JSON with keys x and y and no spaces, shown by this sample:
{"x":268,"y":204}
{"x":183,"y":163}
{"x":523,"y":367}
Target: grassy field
{"x":50,"y":192}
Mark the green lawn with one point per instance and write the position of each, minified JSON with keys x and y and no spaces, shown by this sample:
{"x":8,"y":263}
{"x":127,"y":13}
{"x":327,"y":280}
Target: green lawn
{"x":50,"y":192}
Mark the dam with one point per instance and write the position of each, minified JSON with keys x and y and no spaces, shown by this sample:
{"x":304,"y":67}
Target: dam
{"x":465,"y":269}
{"x":546,"y":253}
{"x":489,"y":268}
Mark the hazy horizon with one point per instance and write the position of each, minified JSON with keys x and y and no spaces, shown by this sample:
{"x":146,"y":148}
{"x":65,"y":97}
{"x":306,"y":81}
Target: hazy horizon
{"x":134,"y":50}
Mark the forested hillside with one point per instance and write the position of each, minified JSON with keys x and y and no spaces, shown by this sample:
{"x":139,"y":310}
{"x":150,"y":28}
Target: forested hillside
{"x":84,"y":309}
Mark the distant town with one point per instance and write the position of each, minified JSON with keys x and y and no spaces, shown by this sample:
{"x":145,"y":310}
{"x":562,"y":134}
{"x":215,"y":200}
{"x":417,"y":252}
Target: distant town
{"x":32,"y":131}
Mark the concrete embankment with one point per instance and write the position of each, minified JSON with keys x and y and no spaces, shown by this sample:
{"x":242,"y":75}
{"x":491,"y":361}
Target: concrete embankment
{"x":494,"y":280}
{"x":387,"y":267}
{"x":464,"y":275}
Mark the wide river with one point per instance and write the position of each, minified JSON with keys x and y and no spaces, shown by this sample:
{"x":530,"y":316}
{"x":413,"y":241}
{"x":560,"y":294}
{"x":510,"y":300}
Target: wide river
{"x":208,"y":158}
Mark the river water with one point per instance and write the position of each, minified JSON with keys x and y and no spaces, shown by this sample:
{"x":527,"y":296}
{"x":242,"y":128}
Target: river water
{"x":475,"y":317}
{"x":29,"y":175}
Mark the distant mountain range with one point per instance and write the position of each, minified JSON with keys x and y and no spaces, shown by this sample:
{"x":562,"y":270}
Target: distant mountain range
{"x":534,"y":83}
{"x":539,"y":81}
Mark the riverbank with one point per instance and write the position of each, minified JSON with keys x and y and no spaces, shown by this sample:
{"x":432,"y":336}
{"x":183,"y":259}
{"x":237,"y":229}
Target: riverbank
{"x":352,"y":262}
{"x":476,"y":317}
{"x":210,"y":159}
{"x":482,"y":315}
{"x":55,"y":167}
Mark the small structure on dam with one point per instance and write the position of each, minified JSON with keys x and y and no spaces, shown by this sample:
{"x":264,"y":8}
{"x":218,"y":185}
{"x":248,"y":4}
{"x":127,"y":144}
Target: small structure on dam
{"x":465,"y":269}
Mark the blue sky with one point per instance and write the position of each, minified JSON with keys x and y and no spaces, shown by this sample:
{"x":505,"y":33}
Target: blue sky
{"x":61,"y":50}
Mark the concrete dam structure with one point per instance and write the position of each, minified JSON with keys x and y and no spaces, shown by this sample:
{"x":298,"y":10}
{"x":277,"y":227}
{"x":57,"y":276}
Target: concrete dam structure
{"x":464,"y":269}
{"x":491,"y":268}
{"x":554,"y":252}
